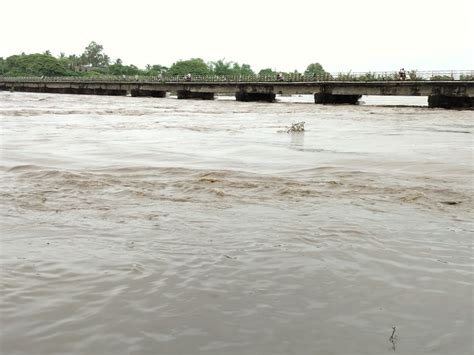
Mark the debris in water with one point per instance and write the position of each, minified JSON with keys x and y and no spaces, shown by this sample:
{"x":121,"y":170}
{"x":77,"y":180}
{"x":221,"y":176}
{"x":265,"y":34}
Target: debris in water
{"x":393,"y":338}
{"x":450,"y":203}
{"x":296,"y":127}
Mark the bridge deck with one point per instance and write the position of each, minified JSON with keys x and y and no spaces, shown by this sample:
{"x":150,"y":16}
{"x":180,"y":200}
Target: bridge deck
{"x":447,"y":93}
{"x":405,"y":88}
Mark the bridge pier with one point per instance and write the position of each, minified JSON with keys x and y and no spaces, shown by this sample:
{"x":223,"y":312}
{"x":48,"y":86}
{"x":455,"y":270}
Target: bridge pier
{"x":69,"y":90}
{"x":336,"y":99}
{"x":147,"y":93}
{"x":442,"y":101}
{"x":186,"y":94}
{"x":94,"y":91}
{"x":55,"y":90}
{"x":23,"y":89}
{"x":253,"y":96}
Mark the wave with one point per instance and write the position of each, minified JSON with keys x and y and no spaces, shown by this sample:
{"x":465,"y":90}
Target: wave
{"x":138,"y":184}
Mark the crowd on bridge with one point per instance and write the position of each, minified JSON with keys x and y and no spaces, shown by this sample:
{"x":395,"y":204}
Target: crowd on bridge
{"x":280,"y":77}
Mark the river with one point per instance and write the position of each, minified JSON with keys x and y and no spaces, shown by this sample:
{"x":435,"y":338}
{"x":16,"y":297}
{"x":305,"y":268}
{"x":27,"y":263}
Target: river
{"x":164,"y":226}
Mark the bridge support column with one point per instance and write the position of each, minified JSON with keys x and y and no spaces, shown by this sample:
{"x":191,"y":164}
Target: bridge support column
{"x":336,"y":99}
{"x":147,"y":93}
{"x":94,"y":91}
{"x":441,"y":101}
{"x":185,"y":94}
{"x":253,"y":96}
{"x":54,"y":90}
{"x":23,"y":89}
{"x":110,"y":92}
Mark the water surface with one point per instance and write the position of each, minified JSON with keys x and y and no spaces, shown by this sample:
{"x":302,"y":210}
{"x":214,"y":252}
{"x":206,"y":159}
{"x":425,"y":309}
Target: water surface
{"x":158,"y":226}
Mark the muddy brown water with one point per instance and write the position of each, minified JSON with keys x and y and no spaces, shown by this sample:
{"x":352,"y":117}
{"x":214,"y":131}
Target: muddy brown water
{"x":158,"y":226}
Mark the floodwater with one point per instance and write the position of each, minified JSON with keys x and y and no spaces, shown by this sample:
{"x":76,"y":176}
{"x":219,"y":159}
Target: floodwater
{"x":158,"y":226}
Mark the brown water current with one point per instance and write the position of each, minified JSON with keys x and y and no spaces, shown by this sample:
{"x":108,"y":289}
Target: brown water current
{"x":164,"y":226}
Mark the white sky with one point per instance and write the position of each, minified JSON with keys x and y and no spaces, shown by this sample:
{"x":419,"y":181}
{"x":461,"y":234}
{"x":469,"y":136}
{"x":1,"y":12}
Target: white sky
{"x":342,"y":35}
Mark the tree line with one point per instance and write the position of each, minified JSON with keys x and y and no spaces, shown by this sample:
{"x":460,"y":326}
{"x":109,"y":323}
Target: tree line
{"x":94,"y":62}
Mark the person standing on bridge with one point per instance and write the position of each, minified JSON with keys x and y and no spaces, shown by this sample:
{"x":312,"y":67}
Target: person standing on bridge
{"x":402,"y":74}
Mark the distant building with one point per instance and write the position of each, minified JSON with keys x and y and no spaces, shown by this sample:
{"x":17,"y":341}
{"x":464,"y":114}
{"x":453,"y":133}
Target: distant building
{"x":84,"y":68}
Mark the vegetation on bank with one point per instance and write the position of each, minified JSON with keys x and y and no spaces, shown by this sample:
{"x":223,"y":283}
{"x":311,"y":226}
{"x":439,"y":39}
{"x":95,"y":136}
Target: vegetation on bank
{"x":94,"y":62}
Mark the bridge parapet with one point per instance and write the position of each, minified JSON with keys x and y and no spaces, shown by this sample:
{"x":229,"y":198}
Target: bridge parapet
{"x":439,"y":75}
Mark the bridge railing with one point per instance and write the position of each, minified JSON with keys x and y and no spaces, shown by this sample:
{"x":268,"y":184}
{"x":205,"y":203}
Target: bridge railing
{"x":439,"y":75}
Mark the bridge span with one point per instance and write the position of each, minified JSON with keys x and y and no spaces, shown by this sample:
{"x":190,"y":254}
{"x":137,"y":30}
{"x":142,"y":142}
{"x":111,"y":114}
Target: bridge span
{"x":440,"y":93}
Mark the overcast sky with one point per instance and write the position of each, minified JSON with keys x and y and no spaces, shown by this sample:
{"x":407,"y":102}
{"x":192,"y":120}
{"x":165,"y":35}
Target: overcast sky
{"x":342,"y":35}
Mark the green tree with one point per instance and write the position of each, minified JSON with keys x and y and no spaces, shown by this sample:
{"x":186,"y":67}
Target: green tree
{"x":243,"y":69}
{"x":314,"y":69}
{"x":195,"y":66}
{"x":3,"y":66}
{"x":93,"y":55}
{"x":159,"y":68}
{"x":221,"y":67}
{"x":156,"y":69}
{"x":267,"y":72}
{"x":119,"y":69}
{"x":73,"y":61}
{"x":35,"y":65}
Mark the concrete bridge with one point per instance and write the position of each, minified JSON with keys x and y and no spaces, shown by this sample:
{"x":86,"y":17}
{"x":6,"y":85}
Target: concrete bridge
{"x":441,"y":93}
